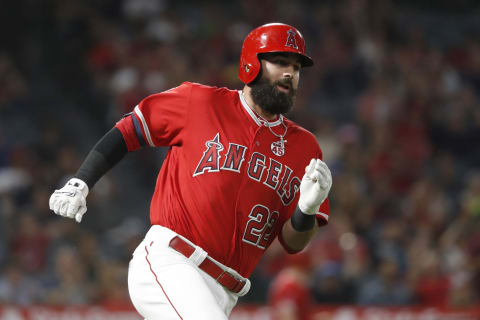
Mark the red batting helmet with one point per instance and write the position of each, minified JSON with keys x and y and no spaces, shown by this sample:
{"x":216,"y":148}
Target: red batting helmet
{"x":272,"y":37}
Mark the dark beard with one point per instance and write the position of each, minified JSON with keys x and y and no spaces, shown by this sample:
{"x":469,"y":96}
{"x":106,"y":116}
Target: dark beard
{"x":266,"y":95}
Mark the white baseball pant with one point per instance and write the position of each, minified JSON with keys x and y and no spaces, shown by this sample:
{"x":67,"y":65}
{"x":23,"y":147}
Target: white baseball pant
{"x":164,"y":284}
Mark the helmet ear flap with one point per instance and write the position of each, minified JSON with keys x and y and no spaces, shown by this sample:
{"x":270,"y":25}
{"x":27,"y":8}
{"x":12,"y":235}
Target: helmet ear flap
{"x":249,"y":68}
{"x":257,"y":77}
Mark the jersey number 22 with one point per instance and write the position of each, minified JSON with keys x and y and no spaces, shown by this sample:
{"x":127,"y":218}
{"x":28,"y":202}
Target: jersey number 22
{"x":260,"y":226}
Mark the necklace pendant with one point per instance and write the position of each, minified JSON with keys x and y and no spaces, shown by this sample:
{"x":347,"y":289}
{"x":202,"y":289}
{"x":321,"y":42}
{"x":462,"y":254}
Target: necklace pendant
{"x":278,"y":147}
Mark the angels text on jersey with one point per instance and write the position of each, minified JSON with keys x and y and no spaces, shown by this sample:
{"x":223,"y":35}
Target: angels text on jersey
{"x":261,"y":168}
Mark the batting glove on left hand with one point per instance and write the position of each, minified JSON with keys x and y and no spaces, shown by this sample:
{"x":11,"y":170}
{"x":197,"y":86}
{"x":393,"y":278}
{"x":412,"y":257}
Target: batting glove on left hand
{"x":70,"y":201}
{"x":315,"y":186}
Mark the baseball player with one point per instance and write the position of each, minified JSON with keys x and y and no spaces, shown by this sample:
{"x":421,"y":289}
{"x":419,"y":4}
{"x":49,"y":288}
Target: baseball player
{"x":237,"y":175}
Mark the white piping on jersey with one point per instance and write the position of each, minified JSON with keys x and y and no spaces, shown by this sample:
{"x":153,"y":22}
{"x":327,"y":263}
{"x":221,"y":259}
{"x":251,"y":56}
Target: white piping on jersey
{"x":145,"y":127}
{"x":323,"y":215}
{"x":254,"y":116}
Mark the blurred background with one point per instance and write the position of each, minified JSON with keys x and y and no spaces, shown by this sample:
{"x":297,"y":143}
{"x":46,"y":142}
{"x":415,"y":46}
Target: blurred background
{"x":393,"y":99}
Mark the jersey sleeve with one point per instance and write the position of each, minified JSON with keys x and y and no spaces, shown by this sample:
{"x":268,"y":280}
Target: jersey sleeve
{"x":158,"y":120}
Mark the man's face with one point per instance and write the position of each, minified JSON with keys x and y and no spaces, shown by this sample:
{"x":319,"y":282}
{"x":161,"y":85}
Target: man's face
{"x":275,"y":91}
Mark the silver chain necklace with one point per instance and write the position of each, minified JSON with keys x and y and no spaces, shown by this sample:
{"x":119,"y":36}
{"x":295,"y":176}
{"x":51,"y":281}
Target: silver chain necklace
{"x":278,"y":147}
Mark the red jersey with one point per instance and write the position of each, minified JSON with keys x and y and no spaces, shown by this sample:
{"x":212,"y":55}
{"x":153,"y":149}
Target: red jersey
{"x":227,"y":184}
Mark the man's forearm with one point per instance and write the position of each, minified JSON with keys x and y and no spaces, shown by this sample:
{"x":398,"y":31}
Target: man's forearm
{"x":297,"y":240}
{"x":109,"y":150}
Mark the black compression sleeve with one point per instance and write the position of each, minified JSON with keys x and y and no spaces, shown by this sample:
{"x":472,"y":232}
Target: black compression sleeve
{"x":301,"y":221}
{"x":105,"y":154}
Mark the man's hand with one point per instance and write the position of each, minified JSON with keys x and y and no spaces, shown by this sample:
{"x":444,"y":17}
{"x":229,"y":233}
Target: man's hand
{"x":315,"y":186}
{"x":70,"y":201}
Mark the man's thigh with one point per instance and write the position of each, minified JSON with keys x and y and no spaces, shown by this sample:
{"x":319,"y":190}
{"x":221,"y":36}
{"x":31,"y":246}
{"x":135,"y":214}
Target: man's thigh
{"x":164,"y":285}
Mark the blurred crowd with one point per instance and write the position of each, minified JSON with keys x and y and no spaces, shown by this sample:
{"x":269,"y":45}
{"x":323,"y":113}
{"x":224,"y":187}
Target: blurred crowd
{"x":393,"y":99}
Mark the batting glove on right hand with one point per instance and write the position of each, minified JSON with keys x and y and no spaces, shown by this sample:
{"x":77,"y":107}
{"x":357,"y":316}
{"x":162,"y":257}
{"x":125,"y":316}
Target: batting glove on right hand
{"x":315,"y":186}
{"x":70,"y":201}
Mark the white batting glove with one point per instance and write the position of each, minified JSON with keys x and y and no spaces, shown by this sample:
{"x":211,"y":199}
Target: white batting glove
{"x":316,"y":184}
{"x":70,"y":201}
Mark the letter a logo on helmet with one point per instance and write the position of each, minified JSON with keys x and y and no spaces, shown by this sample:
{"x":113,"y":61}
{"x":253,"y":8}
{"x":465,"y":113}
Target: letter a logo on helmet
{"x":291,"y":41}
{"x":272,"y":37}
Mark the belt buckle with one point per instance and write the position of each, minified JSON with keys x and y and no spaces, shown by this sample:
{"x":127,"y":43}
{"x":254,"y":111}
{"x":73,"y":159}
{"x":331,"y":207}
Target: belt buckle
{"x":239,"y":283}
{"x":239,"y":286}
